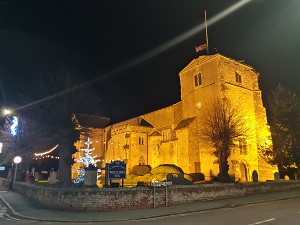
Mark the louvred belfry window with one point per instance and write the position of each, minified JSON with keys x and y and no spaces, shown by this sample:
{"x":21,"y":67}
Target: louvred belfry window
{"x":198,"y":79}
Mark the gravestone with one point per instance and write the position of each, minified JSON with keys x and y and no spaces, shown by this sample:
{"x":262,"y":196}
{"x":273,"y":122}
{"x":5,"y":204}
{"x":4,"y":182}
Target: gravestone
{"x":276,"y":176}
{"x":169,"y":176}
{"x":254,"y":176}
{"x":296,"y":176}
{"x":90,"y":178}
{"x":180,"y":175}
{"x":52,"y":177}
{"x":37,"y":176}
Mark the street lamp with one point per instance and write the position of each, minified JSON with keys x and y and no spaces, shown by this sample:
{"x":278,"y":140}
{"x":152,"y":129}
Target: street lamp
{"x":17,"y":160}
{"x":6,"y":112}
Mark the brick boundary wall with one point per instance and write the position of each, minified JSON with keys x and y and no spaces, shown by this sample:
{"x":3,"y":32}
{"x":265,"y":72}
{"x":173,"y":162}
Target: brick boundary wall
{"x":112,"y":199}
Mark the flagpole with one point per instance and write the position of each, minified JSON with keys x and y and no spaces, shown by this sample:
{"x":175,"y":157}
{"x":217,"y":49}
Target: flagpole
{"x":207,"y":49}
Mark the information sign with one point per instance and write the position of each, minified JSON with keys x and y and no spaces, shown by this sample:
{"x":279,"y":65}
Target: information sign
{"x":117,"y":170}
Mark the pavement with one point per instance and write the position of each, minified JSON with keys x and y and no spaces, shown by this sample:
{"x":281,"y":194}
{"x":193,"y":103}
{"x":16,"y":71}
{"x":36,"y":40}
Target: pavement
{"x":14,"y":205}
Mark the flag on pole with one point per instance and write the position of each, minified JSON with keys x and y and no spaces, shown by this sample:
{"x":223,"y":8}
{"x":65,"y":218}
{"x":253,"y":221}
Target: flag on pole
{"x":204,"y":46}
{"x":200,"y":47}
{"x":207,"y":49}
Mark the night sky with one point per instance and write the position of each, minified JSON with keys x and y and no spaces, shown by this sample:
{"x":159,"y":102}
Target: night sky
{"x":124,"y":49}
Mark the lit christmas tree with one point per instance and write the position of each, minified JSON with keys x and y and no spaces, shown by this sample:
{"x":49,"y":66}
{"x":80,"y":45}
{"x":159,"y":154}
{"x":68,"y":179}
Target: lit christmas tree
{"x":87,"y":160}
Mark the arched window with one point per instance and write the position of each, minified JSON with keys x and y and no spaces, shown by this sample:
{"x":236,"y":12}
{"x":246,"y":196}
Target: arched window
{"x":238,"y":77}
{"x":141,"y":141}
{"x":243,"y":146}
{"x":198,"y":79}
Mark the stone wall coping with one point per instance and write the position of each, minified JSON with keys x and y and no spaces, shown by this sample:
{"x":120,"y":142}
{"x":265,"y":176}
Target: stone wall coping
{"x":176,"y":186}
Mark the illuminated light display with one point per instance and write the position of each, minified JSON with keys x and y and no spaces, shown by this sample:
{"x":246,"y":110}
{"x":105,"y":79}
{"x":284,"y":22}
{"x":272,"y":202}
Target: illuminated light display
{"x":47,"y":152}
{"x":87,"y":160}
{"x":47,"y":156}
{"x":14,"y":126}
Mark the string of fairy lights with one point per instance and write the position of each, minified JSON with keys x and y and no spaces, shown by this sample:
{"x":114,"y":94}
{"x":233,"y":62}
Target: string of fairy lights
{"x":45,"y":154}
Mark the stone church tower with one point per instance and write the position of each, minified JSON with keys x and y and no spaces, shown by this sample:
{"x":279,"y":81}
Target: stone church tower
{"x":171,"y":135}
{"x":217,"y":76}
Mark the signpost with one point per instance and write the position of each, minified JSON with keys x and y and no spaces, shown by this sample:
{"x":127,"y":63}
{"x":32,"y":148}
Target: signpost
{"x":165,"y":183}
{"x":158,"y":184}
{"x":17,"y":160}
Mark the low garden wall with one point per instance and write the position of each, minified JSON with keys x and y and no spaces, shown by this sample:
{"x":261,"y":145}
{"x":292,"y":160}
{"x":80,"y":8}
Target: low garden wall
{"x":111,"y":199}
{"x":4,"y":182}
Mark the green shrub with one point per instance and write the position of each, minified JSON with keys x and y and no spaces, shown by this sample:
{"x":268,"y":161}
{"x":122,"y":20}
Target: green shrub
{"x":165,"y":169}
{"x":140,"y":170}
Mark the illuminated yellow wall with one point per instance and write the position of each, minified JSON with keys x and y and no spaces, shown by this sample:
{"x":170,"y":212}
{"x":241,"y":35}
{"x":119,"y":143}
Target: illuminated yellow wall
{"x":171,"y":134}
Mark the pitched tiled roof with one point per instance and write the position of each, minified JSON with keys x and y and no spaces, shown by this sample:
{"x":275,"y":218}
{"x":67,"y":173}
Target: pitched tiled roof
{"x":184,"y":123}
{"x":155,"y":133}
{"x":145,"y":123}
{"x":85,"y":120}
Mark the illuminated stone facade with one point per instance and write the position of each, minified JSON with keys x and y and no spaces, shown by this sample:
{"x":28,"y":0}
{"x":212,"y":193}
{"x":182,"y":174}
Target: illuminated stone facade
{"x":171,"y":135}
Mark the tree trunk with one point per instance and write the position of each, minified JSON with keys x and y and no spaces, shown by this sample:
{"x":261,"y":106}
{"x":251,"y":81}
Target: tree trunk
{"x":224,"y":167}
{"x":64,"y":172}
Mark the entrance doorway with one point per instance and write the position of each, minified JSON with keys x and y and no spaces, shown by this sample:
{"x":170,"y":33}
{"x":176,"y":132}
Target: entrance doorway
{"x":244,"y":174}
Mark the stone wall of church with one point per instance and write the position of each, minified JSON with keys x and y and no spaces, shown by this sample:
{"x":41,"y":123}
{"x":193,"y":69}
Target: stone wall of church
{"x":193,"y":148}
{"x":183,"y":157}
{"x":190,"y":94}
{"x":154,"y":150}
{"x":264,"y":139}
{"x":241,"y":98}
{"x":246,"y":96}
{"x":129,"y":143}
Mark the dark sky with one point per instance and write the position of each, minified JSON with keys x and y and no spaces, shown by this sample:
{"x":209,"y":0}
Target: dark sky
{"x":114,"y":41}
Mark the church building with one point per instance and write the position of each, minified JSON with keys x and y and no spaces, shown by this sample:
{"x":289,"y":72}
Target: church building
{"x":171,"y":135}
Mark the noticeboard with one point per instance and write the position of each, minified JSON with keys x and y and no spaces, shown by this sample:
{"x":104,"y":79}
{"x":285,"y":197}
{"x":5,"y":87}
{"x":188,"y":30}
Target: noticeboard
{"x":116,"y":170}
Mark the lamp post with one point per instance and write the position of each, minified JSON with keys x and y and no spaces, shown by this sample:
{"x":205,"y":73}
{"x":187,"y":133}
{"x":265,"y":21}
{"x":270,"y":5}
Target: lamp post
{"x":6,"y":112}
{"x":17,"y":160}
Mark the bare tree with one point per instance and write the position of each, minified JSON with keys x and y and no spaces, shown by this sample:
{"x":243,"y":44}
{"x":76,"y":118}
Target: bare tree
{"x":59,"y":96}
{"x":221,"y":124}
{"x":8,"y":142}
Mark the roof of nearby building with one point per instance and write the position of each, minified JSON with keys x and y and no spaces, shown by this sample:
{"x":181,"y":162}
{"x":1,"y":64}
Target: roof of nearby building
{"x":145,"y":123}
{"x":155,"y":133}
{"x":85,"y":120}
{"x":184,"y":123}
